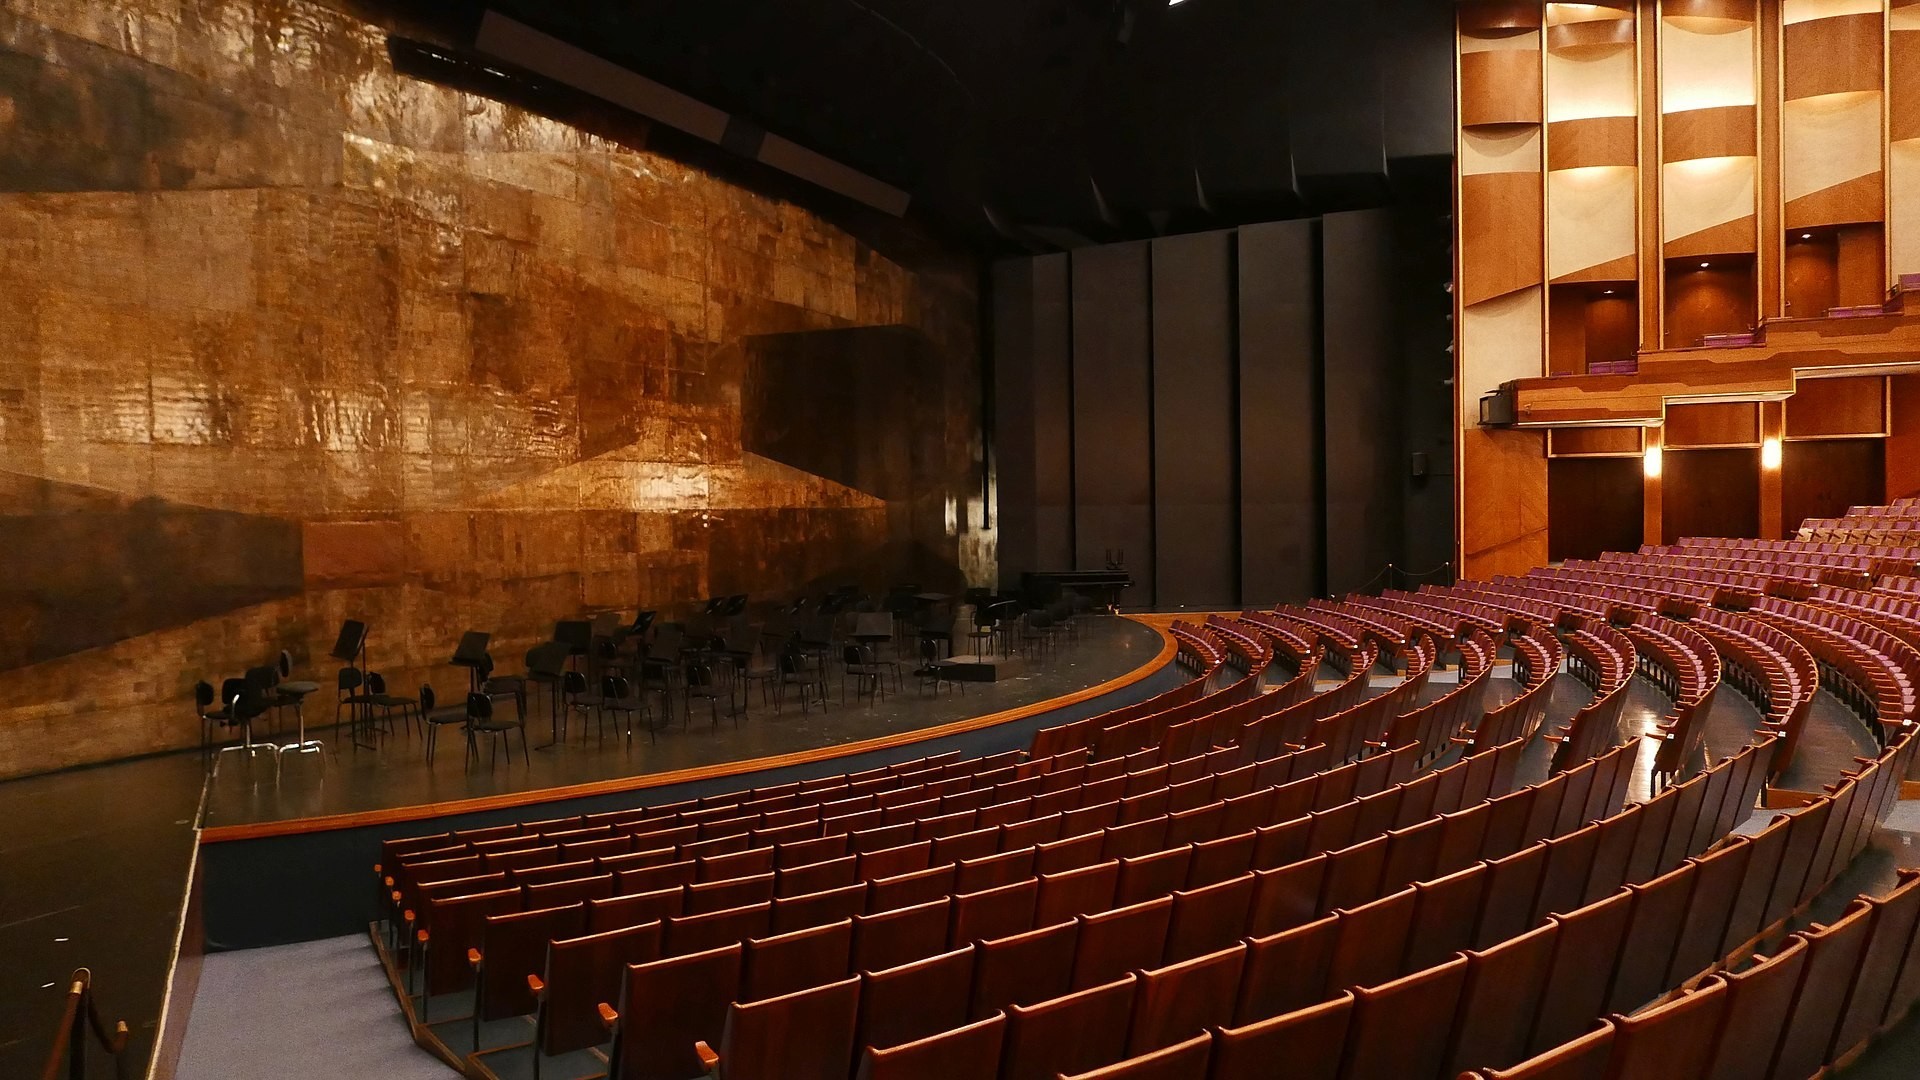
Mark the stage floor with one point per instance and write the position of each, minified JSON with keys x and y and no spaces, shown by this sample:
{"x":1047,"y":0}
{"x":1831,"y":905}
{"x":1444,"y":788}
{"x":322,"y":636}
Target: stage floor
{"x":344,"y":781}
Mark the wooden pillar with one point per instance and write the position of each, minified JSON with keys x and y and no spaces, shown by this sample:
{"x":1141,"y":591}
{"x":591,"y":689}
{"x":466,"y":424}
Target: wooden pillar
{"x":1650,"y":524}
{"x":1652,"y":263}
{"x":1770,"y":252}
{"x":1773,"y":426}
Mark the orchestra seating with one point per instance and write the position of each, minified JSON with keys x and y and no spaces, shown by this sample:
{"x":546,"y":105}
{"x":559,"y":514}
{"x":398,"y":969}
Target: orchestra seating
{"x":1262,"y":864}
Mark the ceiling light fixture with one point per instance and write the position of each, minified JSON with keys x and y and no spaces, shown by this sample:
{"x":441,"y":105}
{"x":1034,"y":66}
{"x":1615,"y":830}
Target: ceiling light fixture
{"x":1806,"y":236}
{"x":1703,"y":265}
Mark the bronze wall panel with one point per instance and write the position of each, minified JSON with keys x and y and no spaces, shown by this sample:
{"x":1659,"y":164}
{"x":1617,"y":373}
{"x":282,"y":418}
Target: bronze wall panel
{"x":293,"y":338}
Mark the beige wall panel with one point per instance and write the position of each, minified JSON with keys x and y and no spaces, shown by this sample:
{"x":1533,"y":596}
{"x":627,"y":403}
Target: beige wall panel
{"x":1589,"y":82}
{"x":1621,"y":269}
{"x":1602,"y":140}
{"x":1500,"y":150}
{"x":1590,"y":217}
{"x":1827,"y":141}
{"x":1528,"y":42}
{"x":1706,"y":64}
{"x":1708,"y":133}
{"x":1499,"y":340}
{"x":1831,"y":56}
{"x":1698,"y":195}
{"x":1903,"y":228}
{"x":1499,"y":88}
{"x":1501,"y":224}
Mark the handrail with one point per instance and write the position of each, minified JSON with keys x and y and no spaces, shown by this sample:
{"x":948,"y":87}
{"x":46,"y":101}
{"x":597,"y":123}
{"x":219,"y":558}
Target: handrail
{"x":71,"y":1044}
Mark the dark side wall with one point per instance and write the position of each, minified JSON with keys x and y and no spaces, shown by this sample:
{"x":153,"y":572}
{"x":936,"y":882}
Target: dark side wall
{"x":1231,"y":414}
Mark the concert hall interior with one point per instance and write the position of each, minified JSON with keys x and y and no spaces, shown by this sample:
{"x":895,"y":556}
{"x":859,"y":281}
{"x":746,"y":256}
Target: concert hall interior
{"x":903,"y":540}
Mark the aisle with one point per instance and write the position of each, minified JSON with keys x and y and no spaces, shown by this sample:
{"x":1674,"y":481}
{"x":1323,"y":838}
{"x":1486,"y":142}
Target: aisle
{"x":318,"y":1008}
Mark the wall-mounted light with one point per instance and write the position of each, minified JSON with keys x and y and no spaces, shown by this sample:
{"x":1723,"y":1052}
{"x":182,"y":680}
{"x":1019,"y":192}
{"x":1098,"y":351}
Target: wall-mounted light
{"x":1806,"y":236}
{"x":1704,"y":265}
{"x":1650,"y":461}
{"x":1606,"y":292}
{"x":1770,"y":453}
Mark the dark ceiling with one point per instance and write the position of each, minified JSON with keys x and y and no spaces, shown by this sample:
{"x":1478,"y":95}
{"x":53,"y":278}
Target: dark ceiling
{"x":1047,"y":123}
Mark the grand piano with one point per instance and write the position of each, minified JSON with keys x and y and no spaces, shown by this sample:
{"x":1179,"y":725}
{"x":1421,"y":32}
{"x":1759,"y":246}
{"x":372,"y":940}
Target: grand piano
{"x":1101,"y":586}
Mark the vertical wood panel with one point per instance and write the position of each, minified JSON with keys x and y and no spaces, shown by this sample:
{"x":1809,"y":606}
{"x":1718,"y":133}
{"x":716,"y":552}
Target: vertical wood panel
{"x":1772,"y":426}
{"x":1112,"y":413}
{"x":1013,"y":417}
{"x":1594,"y":505}
{"x":1710,"y":493}
{"x":1822,"y":479}
{"x":1052,"y":415}
{"x":1196,"y":535}
{"x":1903,"y":436}
{"x":1281,"y":526}
{"x":1364,"y":446}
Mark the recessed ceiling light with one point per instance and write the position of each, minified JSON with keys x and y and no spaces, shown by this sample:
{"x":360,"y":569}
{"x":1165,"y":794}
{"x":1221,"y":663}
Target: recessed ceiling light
{"x":1606,"y":292}
{"x":1806,"y":236}
{"x":1703,"y":266}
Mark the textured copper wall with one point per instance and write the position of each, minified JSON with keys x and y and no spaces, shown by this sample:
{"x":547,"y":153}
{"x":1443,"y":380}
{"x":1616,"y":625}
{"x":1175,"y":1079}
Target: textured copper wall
{"x":288,"y":338}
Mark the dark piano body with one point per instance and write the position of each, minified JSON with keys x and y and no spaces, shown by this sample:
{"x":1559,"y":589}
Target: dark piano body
{"x":1103,"y":586}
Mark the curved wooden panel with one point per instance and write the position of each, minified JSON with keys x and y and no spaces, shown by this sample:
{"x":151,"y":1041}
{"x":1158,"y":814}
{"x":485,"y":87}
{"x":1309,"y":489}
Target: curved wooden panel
{"x":1601,"y":140}
{"x":1502,"y":231}
{"x":1505,"y":149}
{"x":1507,"y":535}
{"x":1742,"y":10}
{"x":1858,"y":200}
{"x":1903,"y":224}
{"x":1709,"y":133}
{"x":1903,"y":85}
{"x":1499,"y":87}
{"x":1591,"y":33}
{"x":1735,"y":237}
{"x":1833,"y":56}
{"x":1487,"y":15}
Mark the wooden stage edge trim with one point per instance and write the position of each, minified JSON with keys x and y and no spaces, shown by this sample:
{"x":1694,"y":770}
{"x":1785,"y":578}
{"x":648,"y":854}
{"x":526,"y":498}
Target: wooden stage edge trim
{"x":392,"y":815}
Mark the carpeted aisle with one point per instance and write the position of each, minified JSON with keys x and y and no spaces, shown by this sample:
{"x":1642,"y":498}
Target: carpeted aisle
{"x":318,"y":1008}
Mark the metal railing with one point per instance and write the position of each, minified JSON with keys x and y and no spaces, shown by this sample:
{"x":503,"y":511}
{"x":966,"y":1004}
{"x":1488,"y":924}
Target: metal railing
{"x":79,"y":1021}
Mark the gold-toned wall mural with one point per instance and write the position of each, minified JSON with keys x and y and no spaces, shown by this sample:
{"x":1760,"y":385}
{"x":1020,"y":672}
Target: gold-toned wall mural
{"x":286,"y":337}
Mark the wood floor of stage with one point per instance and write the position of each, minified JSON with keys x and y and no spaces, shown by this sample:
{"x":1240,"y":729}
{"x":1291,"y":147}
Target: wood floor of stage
{"x":257,"y":795}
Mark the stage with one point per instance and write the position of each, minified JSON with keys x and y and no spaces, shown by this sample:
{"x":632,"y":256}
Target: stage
{"x":255,"y":795}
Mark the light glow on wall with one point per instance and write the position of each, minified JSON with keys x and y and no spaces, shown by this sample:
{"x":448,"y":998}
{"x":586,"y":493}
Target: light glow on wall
{"x":1770,"y":453}
{"x":1650,"y":461}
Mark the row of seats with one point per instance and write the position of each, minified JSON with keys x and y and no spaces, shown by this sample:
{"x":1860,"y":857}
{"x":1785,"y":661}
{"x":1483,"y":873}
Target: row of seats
{"x":1073,"y":874}
{"x":445,"y":911}
{"x":1670,"y":654}
{"x":1823,"y":993}
{"x":1260,"y":984}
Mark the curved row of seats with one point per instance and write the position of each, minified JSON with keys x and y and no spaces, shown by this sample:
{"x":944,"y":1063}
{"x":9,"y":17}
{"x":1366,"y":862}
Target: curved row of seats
{"x":1821,"y":995}
{"x":1260,"y":982}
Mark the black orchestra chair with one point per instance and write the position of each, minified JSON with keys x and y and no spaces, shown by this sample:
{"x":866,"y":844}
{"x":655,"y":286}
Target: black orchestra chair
{"x":617,"y":696}
{"x":292,"y":693}
{"x":576,"y":698}
{"x":483,"y":720}
{"x":858,"y":664}
{"x":435,"y":719}
{"x":213,"y":713}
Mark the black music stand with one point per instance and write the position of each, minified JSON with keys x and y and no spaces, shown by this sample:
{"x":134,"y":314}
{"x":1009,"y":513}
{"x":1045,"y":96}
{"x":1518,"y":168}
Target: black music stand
{"x":350,"y":648}
{"x":576,"y":635}
{"x":471,"y":654}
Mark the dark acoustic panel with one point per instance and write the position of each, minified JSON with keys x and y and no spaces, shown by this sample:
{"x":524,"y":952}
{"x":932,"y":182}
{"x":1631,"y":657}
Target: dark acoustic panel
{"x":1824,"y":477}
{"x":1710,"y":493}
{"x":1282,"y":530}
{"x":1336,"y":87}
{"x":1196,"y":532}
{"x":1594,"y":505}
{"x":1364,"y":442}
{"x":1113,"y":414}
{"x":1013,"y":417}
{"x":1052,"y":387}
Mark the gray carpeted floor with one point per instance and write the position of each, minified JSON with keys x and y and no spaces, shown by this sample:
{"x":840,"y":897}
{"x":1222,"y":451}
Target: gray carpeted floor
{"x":319,"y":1008}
